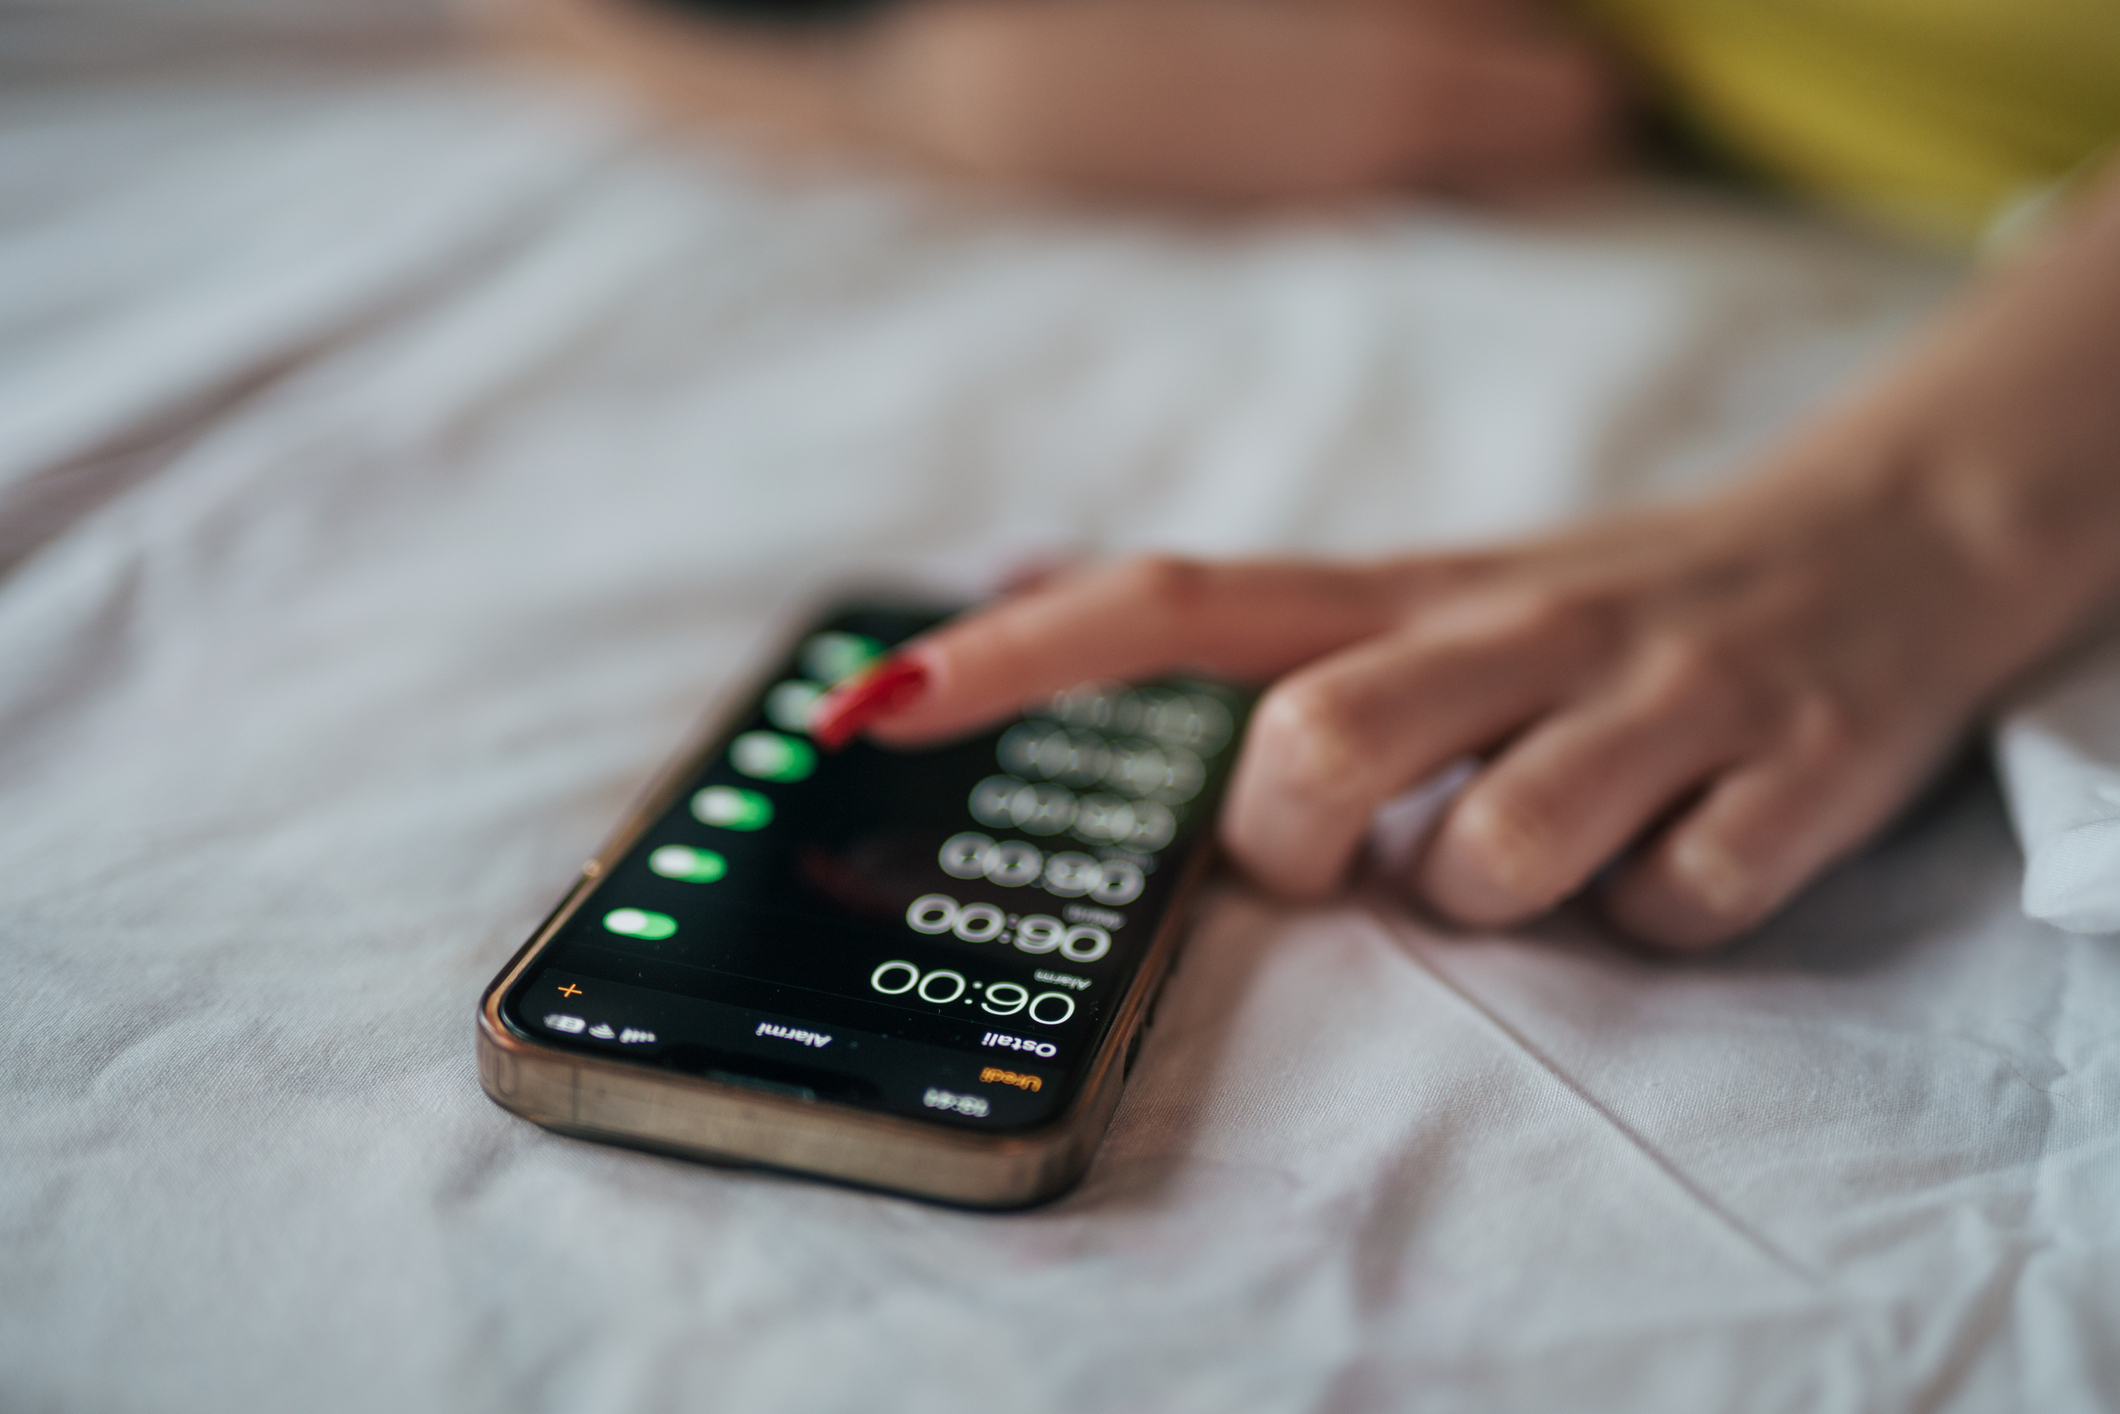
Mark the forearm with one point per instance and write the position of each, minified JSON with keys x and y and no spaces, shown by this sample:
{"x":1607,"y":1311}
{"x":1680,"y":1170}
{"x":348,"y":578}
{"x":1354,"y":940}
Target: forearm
{"x":2000,"y":439}
{"x":1203,"y":100}
{"x":1167,"y":98}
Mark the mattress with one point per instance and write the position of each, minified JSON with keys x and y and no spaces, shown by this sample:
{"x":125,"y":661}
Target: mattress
{"x":396,"y":456}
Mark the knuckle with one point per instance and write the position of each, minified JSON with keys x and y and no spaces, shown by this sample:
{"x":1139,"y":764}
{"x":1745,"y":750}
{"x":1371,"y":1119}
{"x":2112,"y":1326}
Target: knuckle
{"x":1538,"y":611}
{"x":1265,"y":855}
{"x":1697,"y":895}
{"x":1690,"y":676}
{"x":1505,"y":837}
{"x":1684,"y":669}
{"x":1825,"y":728}
{"x":1169,"y":585}
{"x":1556,"y":619}
{"x":1311,"y":734}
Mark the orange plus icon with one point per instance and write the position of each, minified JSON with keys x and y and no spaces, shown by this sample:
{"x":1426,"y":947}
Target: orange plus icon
{"x":570,"y":990}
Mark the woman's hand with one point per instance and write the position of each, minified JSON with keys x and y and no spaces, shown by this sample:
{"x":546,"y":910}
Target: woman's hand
{"x":1725,"y":698}
{"x":1713,"y":702}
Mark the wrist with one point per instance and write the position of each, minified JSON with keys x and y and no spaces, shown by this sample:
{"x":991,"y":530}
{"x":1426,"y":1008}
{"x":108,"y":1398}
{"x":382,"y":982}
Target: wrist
{"x":2010,"y":542}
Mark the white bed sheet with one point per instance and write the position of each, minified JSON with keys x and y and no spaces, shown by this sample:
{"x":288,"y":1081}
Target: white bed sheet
{"x":395,"y":461}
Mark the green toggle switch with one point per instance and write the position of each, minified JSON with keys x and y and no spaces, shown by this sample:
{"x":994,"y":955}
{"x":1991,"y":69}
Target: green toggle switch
{"x":769,"y":756}
{"x":681,"y":861}
{"x":732,"y":808}
{"x":639,"y":923}
{"x":835,"y":657}
{"x":790,"y":704}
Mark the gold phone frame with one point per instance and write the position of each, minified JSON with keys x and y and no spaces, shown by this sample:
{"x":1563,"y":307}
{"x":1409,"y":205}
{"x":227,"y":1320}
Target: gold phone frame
{"x":619,"y":1102}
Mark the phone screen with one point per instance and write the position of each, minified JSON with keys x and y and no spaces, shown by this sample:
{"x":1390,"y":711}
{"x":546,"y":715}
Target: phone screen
{"x":942,"y":934}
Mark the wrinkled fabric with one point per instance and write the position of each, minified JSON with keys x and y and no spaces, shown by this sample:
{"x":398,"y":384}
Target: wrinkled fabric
{"x":397,"y":460}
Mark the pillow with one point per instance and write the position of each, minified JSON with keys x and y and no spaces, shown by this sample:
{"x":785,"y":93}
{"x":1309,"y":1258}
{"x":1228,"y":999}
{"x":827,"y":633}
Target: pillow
{"x":2059,"y":754}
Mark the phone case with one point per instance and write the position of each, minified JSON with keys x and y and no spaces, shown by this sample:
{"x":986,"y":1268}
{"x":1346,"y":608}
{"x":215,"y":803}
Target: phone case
{"x":638,"y":1106}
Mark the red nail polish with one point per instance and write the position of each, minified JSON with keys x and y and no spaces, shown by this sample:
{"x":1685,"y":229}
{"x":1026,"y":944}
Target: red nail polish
{"x":890,"y":687}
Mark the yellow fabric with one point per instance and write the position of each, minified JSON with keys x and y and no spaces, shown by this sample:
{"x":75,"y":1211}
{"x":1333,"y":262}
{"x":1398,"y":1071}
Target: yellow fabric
{"x":1934,"y":115}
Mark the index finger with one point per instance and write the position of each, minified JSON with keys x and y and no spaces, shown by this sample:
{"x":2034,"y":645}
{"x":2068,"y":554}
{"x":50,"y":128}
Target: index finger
{"x":1144,"y":618}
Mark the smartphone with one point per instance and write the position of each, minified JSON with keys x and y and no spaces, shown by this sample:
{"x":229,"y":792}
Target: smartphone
{"x":921,"y":971}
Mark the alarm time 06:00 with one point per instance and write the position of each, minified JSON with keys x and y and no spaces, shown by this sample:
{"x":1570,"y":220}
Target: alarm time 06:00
{"x":943,"y":986}
{"x":937,"y":914}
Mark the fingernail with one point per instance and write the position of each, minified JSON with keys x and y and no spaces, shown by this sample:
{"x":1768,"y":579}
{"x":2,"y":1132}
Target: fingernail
{"x":850,"y":708}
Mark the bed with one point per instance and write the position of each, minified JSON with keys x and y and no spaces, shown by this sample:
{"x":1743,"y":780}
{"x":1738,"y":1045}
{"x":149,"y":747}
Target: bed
{"x":400,"y":451}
